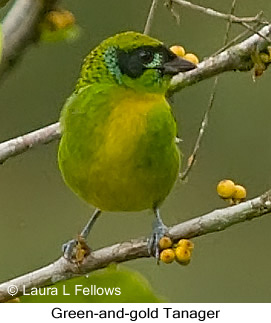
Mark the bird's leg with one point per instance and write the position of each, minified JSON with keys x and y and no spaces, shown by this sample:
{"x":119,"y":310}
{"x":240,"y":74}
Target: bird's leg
{"x":158,"y":231}
{"x":85,"y":232}
{"x":69,"y":246}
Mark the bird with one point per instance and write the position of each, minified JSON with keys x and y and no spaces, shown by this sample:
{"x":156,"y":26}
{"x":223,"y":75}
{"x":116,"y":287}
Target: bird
{"x":117,"y":151}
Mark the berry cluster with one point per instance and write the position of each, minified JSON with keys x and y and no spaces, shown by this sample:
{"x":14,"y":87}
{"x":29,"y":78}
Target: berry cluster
{"x":231,"y":192}
{"x":180,"y":51}
{"x":181,"y":251}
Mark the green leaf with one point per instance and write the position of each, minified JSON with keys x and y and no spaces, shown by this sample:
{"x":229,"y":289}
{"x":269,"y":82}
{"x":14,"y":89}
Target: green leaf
{"x":122,"y":284}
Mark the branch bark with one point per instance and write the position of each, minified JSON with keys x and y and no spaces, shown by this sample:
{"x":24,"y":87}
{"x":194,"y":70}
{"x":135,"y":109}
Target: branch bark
{"x":62,"y":269}
{"x":20,"y":144}
{"x":20,"y":29}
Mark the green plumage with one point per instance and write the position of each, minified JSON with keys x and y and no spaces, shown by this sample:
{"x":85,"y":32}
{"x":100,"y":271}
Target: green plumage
{"x":118,"y":147}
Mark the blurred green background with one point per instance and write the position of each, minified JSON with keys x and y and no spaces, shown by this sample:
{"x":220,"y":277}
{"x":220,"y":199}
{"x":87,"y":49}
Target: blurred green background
{"x":39,"y":213}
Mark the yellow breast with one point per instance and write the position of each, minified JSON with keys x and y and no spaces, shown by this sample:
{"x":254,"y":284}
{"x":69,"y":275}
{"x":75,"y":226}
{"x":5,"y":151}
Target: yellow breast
{"x":127,"y":123}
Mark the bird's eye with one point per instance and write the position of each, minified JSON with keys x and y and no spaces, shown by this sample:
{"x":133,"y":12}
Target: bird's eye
{"x":146,"y":56}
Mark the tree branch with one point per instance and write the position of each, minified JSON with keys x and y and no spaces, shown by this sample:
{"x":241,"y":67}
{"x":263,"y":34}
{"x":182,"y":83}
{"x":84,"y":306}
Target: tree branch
{"x":20,"y":144}
{"x":20,"y":29}
{"x":235,"y":58}
{"x":62,"y":269}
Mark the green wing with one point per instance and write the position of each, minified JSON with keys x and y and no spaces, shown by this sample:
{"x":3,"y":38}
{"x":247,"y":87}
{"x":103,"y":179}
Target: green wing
{"x":82,"y":121}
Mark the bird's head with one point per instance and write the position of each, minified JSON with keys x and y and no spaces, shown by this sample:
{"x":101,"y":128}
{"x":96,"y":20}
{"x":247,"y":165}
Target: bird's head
{"x":135,"y":61}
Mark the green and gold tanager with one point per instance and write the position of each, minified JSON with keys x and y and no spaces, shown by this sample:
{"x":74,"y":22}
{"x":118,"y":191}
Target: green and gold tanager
{"x":117,"y":150}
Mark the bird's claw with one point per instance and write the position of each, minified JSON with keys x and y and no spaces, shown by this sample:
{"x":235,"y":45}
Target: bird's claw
{"x":159,"y":230}
{"x":76,"y":250}
{"x":68,"y":248}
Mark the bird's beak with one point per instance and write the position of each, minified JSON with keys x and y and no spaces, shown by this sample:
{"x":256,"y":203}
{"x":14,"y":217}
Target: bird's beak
{"x":178,"y":65}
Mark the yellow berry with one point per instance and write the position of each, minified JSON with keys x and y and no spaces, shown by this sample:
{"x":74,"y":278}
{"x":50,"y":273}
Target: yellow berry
{"x":191,"y":57}
{"x":60,"y":19}
{"x":165,"y":242}
{"x":183,"y":255}
{"x":185,"y":243}
{"x":265,"y":58}
{"x":178,"y":50}
{"x":240,"y":192}
{"x":167,"y":256}
{"x":225,"y":188}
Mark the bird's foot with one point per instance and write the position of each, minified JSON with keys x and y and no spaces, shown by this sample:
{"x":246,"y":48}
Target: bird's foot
{"x":76,"y":250}
{"x":68,"y":248}
{"x":159,"y":230}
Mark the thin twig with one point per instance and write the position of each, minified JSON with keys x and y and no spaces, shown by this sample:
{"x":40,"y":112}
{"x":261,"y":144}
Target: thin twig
{"x":192,"y":158}
{"x":63,"y":269}
{"x":229,"y":23}
{"x":217,"y":14}
{"x":243,"y":21}
{"x":232,"y":42}
{"x":255,"y":31}
{"x":205,"y":121}
{"x":147,"y":28}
